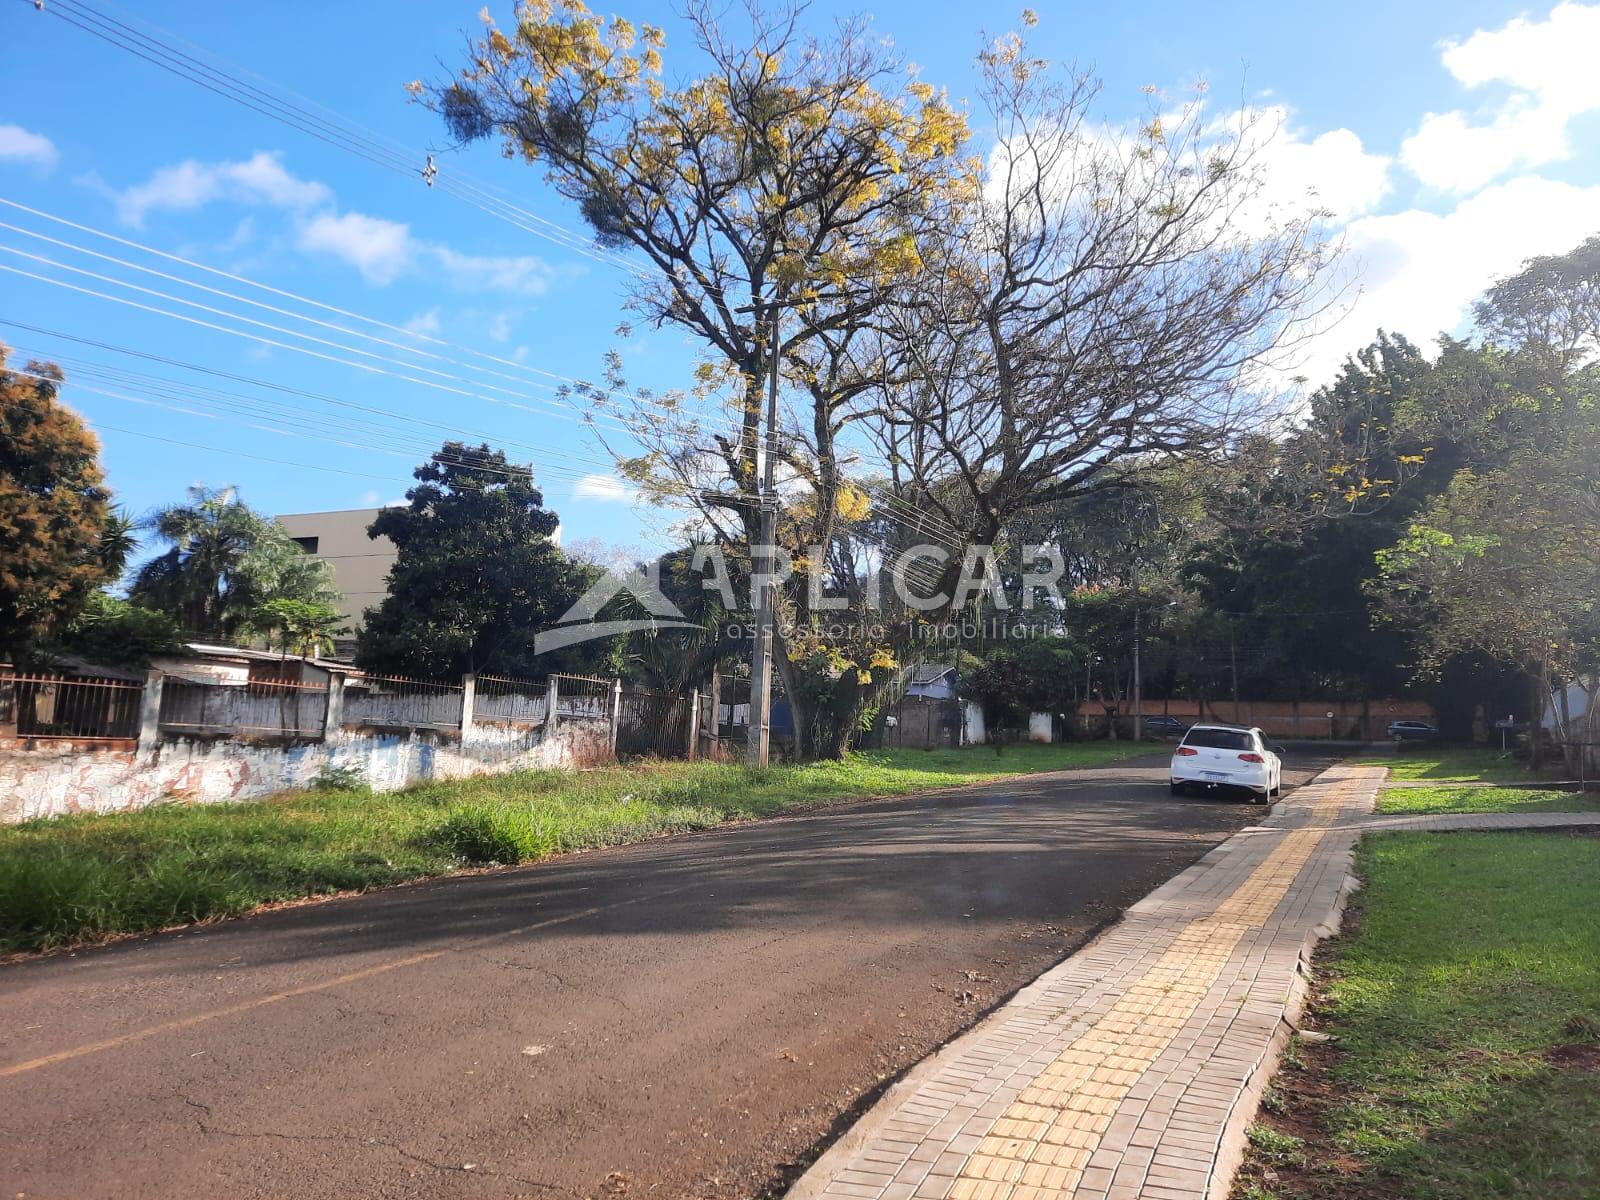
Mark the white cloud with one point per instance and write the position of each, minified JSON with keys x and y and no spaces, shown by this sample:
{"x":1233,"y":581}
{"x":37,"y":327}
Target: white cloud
{"x":21,"y":146}
{"x":1333,"y":172}
{"x":607,"y":489}
{"x":1421,"y":271}
{"x":424,"y":323}
{"x":259,"y":179}
{"x":379,"y":249}
{"x":1548,"y":65}
{"x":500,"y":328}
{"x":1553,"y":57}
{"x":471,"y":272}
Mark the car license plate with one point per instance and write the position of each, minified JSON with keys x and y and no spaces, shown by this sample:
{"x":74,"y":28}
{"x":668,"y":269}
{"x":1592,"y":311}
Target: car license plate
{"x":1215,"y":774}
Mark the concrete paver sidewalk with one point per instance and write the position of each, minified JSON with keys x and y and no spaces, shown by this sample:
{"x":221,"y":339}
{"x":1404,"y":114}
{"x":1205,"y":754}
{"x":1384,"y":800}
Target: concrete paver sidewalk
{"x":1133,"y":1068}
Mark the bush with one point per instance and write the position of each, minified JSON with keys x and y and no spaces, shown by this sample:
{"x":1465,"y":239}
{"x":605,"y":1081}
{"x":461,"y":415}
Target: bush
{"x":499,"y":834}
{"x":340,"y":779}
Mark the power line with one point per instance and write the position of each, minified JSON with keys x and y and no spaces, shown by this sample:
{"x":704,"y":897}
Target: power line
{"x":287,"y":295}
{"x":529,"y":403}
{"x":348,"y":136}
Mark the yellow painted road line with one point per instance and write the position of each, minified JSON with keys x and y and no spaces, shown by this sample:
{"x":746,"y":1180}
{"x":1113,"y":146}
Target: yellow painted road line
{"x":410,"y":960}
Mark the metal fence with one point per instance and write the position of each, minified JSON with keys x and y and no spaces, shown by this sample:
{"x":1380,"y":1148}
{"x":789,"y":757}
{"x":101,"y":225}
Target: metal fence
{"x":61,"y":708}
{"x":733,"y":706}
{"x":279,"y":707}
{"x":653,"y":723}
{"x":396,"y":701}
{"x":583,"y":695}
{"x":511,"y":701}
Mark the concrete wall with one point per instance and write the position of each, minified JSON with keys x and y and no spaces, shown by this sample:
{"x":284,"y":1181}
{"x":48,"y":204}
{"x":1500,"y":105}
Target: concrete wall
{"x":61,"y":778}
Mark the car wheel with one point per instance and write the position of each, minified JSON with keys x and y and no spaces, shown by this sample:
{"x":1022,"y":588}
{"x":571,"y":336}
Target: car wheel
{"x":1177,"y":788}
{"x":1262,"y":797}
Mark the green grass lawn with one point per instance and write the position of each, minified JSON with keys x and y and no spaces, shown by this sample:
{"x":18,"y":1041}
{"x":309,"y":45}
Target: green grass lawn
{"x":1424,"y":763}
{"x":1466,"y":1008}
{"x":78,"y":878}
{"x":1447,"y":799}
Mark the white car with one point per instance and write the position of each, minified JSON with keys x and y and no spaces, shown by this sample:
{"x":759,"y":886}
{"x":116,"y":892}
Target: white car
{"x":1227,"y":756}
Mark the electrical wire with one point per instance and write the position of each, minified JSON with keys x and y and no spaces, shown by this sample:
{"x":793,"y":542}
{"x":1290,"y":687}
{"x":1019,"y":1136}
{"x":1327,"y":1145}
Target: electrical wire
{"x":340,"y":133}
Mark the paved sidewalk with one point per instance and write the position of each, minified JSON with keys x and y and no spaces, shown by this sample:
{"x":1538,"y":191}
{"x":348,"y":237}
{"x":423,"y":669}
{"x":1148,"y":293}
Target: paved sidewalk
{"x":1133,"y":1068}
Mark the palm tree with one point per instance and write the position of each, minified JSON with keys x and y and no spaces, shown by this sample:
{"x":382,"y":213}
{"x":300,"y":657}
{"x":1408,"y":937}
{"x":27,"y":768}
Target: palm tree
{"x":225,"y":561}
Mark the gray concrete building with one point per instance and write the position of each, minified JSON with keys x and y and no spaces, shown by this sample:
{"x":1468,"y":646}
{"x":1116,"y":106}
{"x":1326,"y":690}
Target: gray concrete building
{"x":360,"y":564}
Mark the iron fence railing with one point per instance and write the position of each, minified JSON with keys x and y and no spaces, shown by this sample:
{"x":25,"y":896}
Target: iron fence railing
{"x":395,"y":700}
{"x":289,"y":708}
{"x":510,"y":701}
{"x":58,"y":707}
{"x":583,"y":695}
{"x":733,"y":706}
{"x":653,"y":723}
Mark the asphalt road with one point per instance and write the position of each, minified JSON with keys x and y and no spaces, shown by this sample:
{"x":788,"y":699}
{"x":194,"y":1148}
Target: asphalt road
{"x":687,"y":1017}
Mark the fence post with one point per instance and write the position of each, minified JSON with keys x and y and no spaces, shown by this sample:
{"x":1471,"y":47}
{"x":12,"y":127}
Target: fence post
{"x":616,"y":712}
{"x":552,"y":701}
{"x":694,"y":724}
{"x":150,"y":712}
{"x":333,"y":711}
{"x":469,"y":693}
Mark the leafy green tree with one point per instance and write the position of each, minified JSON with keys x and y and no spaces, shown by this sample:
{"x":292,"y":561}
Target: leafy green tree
{"x":112,"y":631}
{"x":1012,"y":681}
{"x":1505,"y":562}
{"x":302,"y":627}
{"x":224,"y":561}
{"x":58,"y":535}
{"x":477,"y":573}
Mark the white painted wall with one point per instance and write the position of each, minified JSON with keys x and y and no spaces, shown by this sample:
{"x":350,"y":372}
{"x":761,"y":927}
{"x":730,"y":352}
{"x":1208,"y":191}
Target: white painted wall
{"x":973,"y":732}
{"x":61,"y":778}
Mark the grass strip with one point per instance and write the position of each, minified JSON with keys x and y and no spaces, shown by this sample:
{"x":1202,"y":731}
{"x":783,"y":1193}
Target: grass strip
{"x":76,"y":879}
{"x":1464,"y":1000}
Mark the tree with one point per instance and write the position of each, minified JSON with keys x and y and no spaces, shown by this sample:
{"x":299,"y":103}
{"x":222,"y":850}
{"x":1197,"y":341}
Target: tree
{"x":116,"y":633}
{"x":225,"y":560}
{"x":1098,"y":308}
{"x":1011,"y":682}
{"x":476,"y":574}
{"x":999,"y":336}
{"x":1506,"y":560}
{"x":789,"y":181}
{"x":303,"y":627}
{"x":795,"y":171}
{"x":59,"y":540}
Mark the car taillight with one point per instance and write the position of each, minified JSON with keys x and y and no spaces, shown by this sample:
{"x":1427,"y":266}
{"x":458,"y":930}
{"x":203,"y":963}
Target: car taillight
{"x":1186,"y":752}
{"x":1252,"y":758}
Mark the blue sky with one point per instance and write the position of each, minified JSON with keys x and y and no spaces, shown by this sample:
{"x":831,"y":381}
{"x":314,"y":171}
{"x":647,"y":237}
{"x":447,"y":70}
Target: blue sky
{"x":1451,"y":140}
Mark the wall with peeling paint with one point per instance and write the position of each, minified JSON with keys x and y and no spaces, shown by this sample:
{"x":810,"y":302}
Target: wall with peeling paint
{"x":59,"y":777}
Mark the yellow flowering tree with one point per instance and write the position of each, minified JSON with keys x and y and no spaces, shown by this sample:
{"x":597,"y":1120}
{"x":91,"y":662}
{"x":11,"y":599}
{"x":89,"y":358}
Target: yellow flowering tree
{"x":793,"y":175}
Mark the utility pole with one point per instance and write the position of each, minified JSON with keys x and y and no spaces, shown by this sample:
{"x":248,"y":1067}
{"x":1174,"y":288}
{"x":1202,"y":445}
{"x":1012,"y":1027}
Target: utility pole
{"x":759,"y":731}
{"x":1233,"y":666}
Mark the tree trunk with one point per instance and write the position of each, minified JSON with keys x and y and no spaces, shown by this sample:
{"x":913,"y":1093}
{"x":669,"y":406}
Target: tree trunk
{"x":1569,"y":752}
{"x":1540,"y":694}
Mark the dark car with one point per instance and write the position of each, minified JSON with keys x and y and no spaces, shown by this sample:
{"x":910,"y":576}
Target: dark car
{"x":1165,"y":726}
{"x":1412,"y":731}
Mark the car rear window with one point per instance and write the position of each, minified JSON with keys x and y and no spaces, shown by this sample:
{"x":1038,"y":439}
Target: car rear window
{"x":1219,"y":739}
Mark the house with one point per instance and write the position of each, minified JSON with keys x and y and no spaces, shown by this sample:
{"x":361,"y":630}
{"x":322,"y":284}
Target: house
{"x":932,"y":681}
{"x":360,"y":564}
